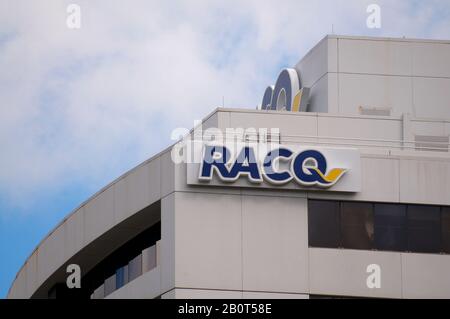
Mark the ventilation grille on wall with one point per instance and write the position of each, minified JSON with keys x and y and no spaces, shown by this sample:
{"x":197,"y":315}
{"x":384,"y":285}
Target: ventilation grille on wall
{"x":432,"y":143}
{"x":262,"y":137}
{"x":375,"y":111}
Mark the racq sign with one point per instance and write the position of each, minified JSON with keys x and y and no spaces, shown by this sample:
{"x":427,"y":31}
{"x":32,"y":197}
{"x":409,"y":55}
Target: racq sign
{"x":260,"y":165}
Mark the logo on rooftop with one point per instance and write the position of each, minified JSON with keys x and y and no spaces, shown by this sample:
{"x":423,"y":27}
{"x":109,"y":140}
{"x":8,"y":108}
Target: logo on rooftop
{"x":287,"y":94}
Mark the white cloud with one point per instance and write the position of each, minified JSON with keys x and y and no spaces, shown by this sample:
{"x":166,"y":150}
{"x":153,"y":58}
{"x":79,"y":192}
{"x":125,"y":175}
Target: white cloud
{"x":80,"y":105}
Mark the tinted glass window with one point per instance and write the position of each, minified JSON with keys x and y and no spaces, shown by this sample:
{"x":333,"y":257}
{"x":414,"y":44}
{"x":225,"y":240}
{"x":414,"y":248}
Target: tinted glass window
{"x":390,"y":227}
{"x":121,"y":276}
{"x":323,"y":224}
{"x":445,"y":219}
{"x":380,"y":226}
{"x":135,"y":268}
{"x":357,"y":230}
{"x":424,"y":229}
{"x":110,"y":285}
{"x":148,"y":259}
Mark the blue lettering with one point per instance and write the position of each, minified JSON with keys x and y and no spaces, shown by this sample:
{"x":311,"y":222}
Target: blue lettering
{"x":215,"y":157}
{"x":246,"y":164}
{"x":270,"y":173}
{"x":311,"y":162}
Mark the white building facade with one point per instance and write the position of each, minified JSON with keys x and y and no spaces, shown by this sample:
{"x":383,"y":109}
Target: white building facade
{"x":381,"y":230}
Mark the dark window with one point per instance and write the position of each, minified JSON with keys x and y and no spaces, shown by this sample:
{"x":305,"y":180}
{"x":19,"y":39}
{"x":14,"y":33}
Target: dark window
{"x":135,"y":268}
{"x":380,"y":226}
{"x":117,"y":261}
{"x":121,"y":276}
{"x":323,"y":224}
{"x":445,"y":229}
{"x":357,"y":225}
{"x":424,"y":229}
{"x":390,"y":227}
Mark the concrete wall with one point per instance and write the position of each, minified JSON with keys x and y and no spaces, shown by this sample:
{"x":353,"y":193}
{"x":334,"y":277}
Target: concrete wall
{"x":403,"y":275}
{"x":221,"y":294}
{"x":403,"y":75}
{"x":241,"y":242}
{"x":147,"y":286}
{"x":243,"y":239}
{"x":230,"y":243}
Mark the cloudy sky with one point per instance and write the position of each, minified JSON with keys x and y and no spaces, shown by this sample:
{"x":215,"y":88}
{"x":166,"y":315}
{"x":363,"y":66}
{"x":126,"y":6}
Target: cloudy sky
{"x":79,"y":107}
